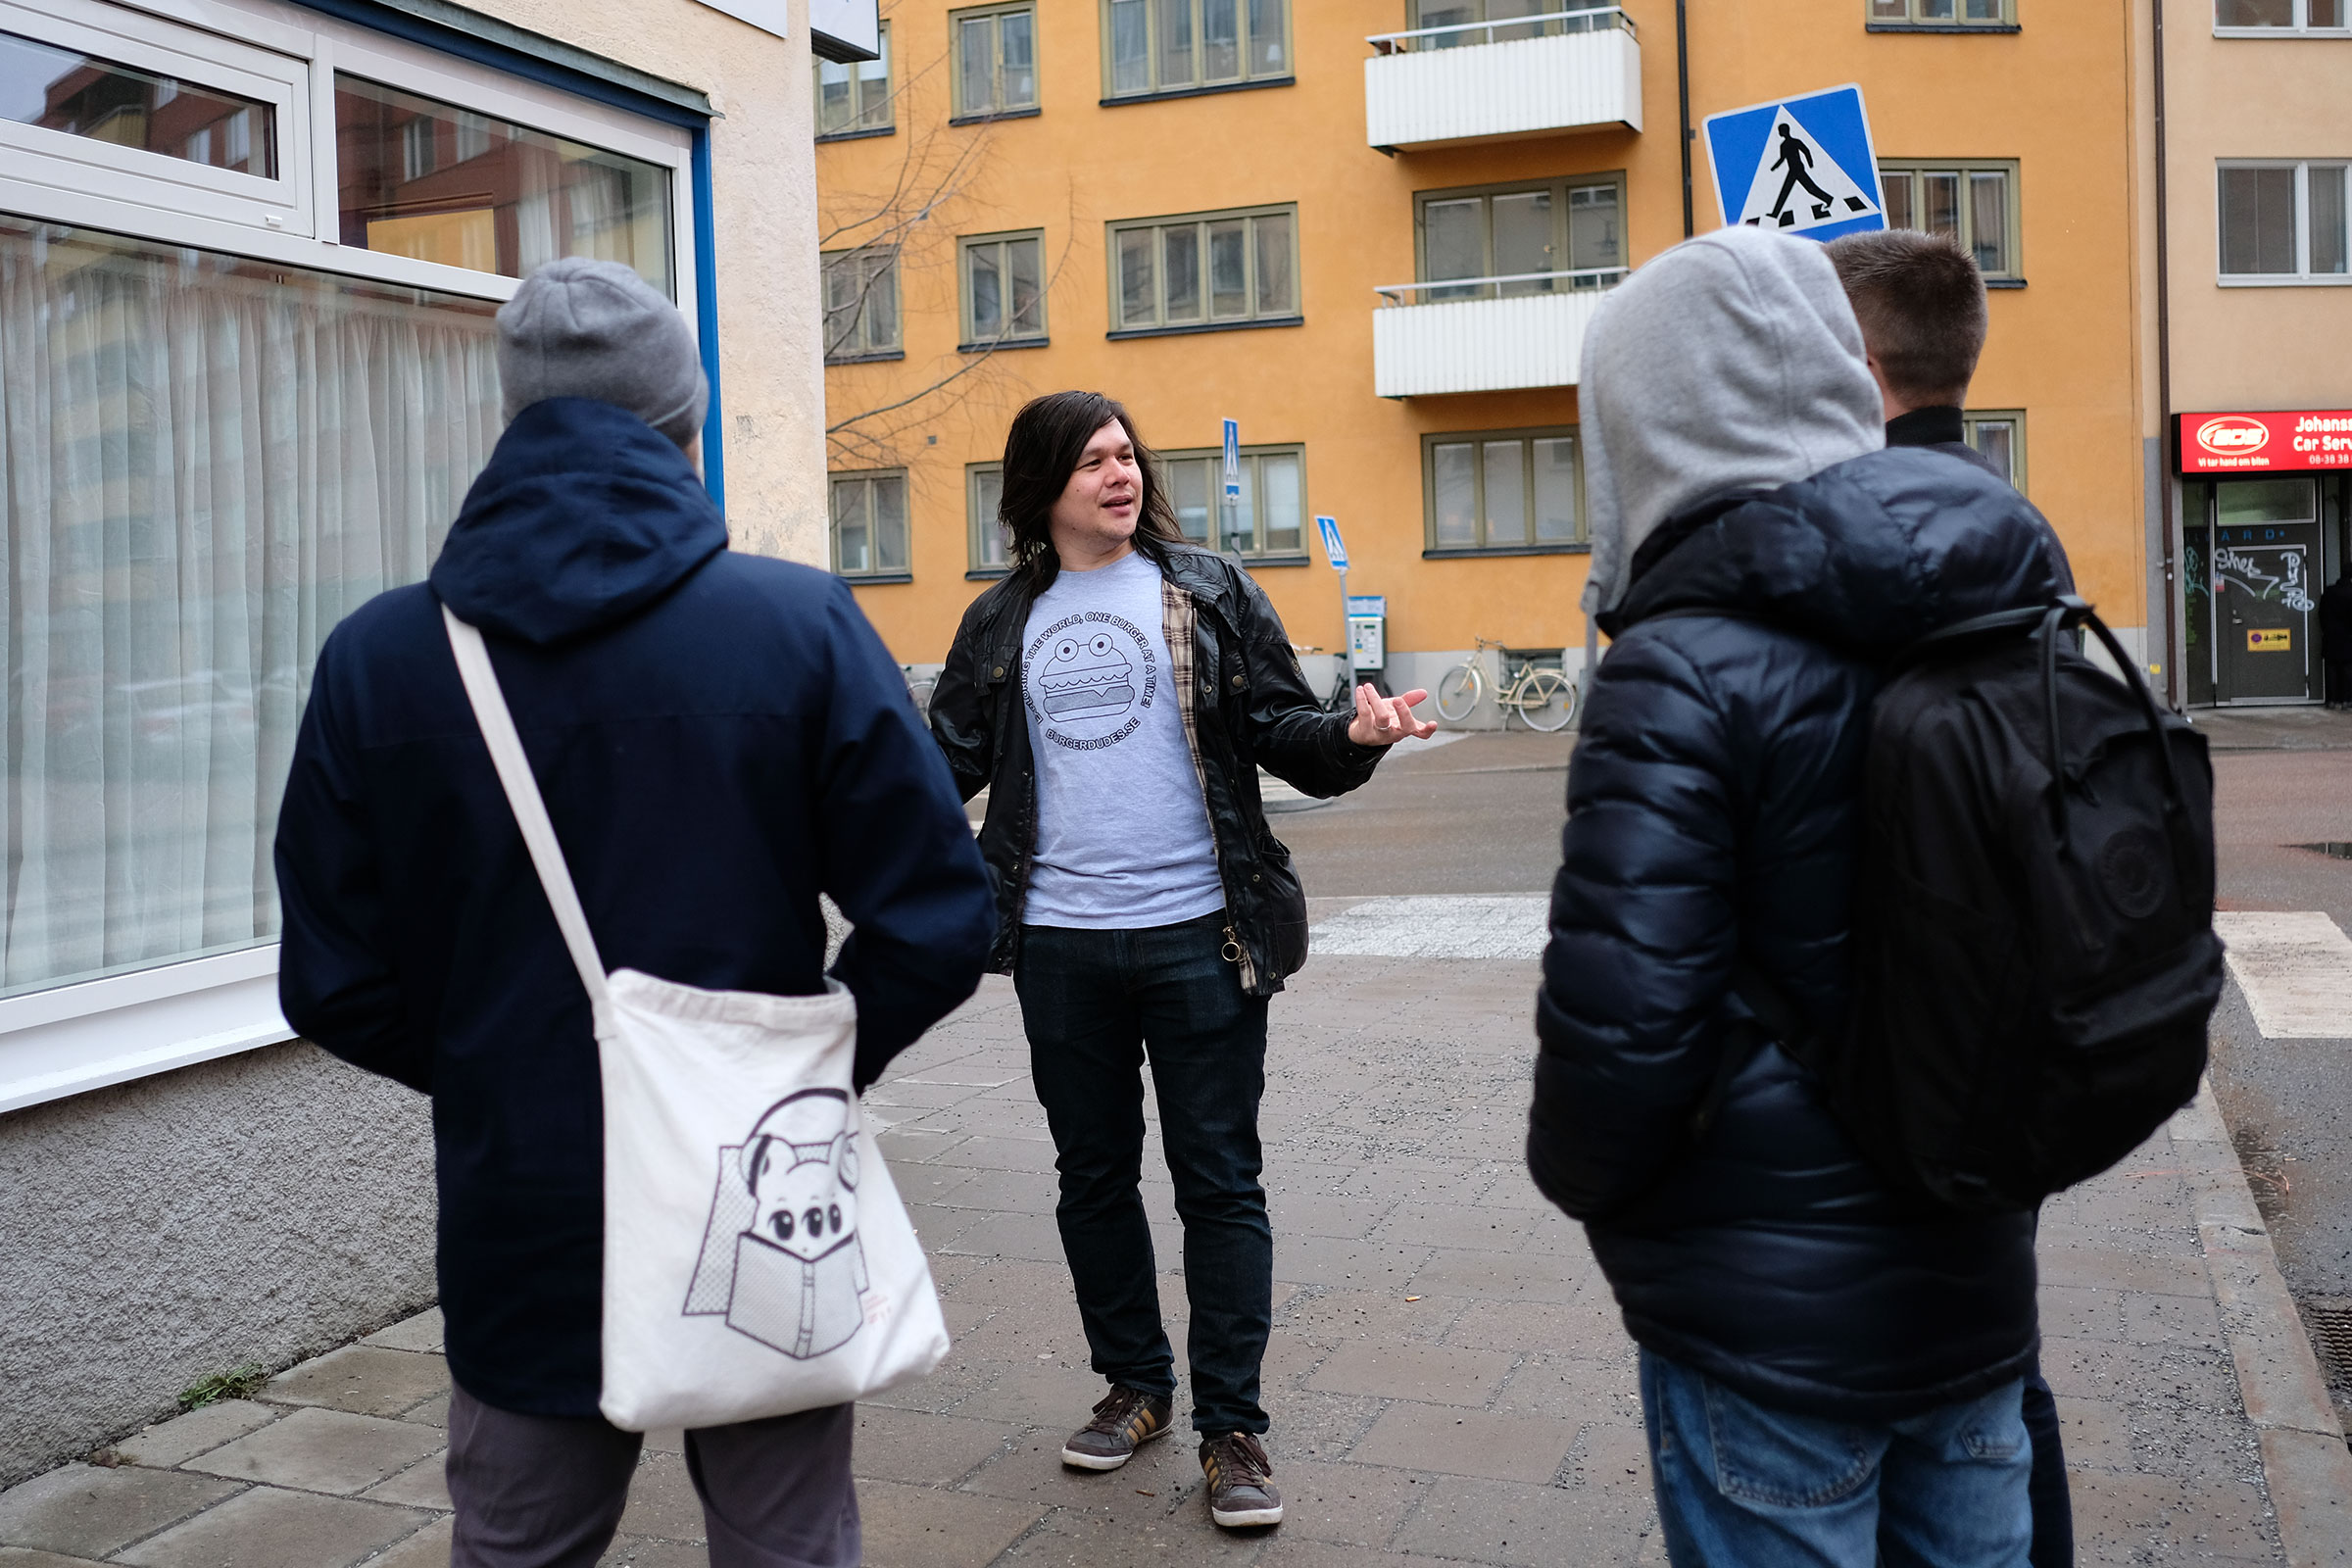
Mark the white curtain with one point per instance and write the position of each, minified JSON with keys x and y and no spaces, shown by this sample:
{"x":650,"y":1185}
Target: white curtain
{"x":204,"y":464}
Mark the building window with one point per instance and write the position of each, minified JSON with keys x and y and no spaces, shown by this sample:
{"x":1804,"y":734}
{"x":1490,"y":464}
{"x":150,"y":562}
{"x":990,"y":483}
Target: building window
{"x":147,"y":722}
{"x":1269,"y":519}
{"x":1205,"y":270}
{"x":1003,"y":289}
{"x":1500,"y":20}
{"x":995,"y":60}
{"x":1971,"y":203}
{"x":991,"y":545}
{"x":524,"y":199}
{"x":2283,"y":222}
{"x":2270,"y":16}
{"x":1520,"y":239}
{"x":130,"y":477}
{"x":855,"y":99}
{"x":1157,"y":46}
{"x":84,"y":95}
{"x":1942,"y":13}
{"x":1504,"y":490}
{"x":869,"y":525}
{"x":2000,"y":434}
{"x":861,"y":304}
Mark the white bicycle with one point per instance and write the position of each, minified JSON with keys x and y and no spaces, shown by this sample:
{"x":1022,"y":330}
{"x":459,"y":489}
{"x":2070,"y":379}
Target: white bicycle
{"x":1543,"y":698}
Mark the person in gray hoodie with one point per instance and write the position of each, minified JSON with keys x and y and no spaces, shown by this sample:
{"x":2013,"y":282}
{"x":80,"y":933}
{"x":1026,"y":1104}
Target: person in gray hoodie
{"x":1829,"y":1375}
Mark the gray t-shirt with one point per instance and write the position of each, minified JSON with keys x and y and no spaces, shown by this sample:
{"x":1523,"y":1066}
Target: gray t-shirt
{"x":1123,"y":837}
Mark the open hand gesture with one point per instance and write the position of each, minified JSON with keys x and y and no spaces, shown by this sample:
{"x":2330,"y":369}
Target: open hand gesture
{"x":1385,"y":720}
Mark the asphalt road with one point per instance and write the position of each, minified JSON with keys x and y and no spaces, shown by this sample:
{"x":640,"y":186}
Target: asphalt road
{"x":1483,"y":816}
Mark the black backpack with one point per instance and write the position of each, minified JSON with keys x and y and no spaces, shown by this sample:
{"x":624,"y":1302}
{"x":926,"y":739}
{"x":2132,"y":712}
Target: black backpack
{"x":2033,"y":953}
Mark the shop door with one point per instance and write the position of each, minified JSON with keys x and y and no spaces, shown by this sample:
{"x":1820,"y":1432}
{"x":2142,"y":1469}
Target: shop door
{"x":2262,"y":612}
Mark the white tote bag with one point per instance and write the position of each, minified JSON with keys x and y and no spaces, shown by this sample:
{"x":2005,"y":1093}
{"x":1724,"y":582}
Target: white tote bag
{"x":757,"y":1261}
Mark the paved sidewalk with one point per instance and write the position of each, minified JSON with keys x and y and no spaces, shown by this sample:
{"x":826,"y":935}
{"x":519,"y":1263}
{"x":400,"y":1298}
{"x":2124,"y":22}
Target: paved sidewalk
{"x":1447,"y":1379}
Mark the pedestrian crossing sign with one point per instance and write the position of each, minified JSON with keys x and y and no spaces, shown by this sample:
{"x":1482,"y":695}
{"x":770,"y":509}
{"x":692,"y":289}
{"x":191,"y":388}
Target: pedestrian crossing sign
{"x":1797,"y":166}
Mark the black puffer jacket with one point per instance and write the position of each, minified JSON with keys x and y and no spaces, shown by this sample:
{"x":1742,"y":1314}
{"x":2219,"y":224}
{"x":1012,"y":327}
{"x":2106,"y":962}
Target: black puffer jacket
{"x":1714,"y":808}
{"x":1250,"y":705}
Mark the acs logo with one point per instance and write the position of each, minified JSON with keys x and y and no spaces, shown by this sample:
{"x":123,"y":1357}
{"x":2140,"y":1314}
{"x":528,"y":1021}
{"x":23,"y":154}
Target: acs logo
{"x":2234,"y":436}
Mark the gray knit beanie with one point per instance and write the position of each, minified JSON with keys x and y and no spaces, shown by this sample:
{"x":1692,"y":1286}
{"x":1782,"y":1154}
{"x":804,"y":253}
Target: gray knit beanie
{"x":582,"y":329}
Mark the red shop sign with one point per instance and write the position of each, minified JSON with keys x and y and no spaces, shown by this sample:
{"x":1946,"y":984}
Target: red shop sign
{"x":2294,"y":441}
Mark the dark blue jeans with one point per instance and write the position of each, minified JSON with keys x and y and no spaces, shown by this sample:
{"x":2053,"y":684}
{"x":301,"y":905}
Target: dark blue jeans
{"x":1095,"y":1004}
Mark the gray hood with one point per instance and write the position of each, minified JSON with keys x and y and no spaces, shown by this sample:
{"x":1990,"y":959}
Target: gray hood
{"x":1730,"y":359}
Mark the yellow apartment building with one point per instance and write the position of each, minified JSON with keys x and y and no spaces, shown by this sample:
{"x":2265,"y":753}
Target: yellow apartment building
{"x":1372,"y":234}
{"x":2255,"y":318}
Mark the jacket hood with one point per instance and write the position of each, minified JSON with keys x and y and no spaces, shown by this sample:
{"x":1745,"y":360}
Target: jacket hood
{"x":584,"y":514}
{"x":1731,"y":360}
{"x":1869,"y":554}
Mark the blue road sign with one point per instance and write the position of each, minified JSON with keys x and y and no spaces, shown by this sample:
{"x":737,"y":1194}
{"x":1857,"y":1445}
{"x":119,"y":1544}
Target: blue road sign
{"x":1233,"y":460}
{"x":1799,"y":166}
{"x":1332,"y":546}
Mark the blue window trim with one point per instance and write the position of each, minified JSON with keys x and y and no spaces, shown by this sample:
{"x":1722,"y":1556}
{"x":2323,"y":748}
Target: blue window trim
{"x":413,"y":21}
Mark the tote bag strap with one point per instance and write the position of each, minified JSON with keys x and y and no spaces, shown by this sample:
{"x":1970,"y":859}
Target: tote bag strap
{"x":530,"y":811}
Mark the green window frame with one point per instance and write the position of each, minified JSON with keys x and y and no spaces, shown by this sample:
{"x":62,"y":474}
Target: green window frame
{"x":855,"y":99}
{"x":1001,"y":285}
{"x":1944,"y":15}
{"x":1157,"y":48}
{"x":869,"y":531}
{"x":990,"y":545}
{"x":2266,"y":19}
{"x":2000,"y":434}
{"x":1572,"y":224}
{"x":861,"y":304}
{"x":1203,"y":272}
{"x":1502,"y":491}
{"x":1972,"y":201}
{"x":995,"y":62}
{"x":1271,"y":521}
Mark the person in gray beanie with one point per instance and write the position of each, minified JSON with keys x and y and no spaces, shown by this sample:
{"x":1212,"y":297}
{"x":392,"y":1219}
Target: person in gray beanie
{"x":585,"y":329}
{"x":1829,"y":1376}
{"x":721,"y":739}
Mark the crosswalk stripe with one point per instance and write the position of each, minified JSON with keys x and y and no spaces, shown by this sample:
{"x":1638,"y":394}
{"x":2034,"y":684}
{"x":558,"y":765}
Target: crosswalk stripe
{"x":1433,"y":927}
{"x":2295,"y":969}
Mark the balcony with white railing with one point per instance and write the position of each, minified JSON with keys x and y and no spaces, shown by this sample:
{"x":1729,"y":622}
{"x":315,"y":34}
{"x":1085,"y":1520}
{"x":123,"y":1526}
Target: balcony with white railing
{"x":1565,"y":70}
{"x":1485,"y":334}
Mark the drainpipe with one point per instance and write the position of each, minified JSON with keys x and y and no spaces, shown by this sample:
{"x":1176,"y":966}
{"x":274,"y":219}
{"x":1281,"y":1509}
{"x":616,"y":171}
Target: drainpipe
{"x":2175,"y":683}
{"x":1681,"y":74}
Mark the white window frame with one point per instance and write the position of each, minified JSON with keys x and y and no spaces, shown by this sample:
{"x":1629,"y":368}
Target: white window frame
{"x":2302,"y":276}
{"x":38,"y":159}
{"x":2300,"y":28}
{"x":83,"y":1035}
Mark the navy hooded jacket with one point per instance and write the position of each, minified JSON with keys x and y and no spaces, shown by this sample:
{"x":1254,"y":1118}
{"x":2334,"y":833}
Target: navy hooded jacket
{"x":718,"y":737}
{"x":1714,"y":809}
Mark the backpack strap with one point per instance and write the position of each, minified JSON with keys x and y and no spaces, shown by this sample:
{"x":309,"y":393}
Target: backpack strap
{"x":530,"y":811}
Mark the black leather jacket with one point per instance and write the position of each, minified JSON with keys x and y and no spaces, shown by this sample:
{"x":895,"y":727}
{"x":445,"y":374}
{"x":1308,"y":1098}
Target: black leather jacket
{"x":1250,"y":706}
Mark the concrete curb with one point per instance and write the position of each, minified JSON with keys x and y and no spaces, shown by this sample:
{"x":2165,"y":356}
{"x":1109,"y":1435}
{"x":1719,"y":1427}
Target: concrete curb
{"x":2305,"y":1463}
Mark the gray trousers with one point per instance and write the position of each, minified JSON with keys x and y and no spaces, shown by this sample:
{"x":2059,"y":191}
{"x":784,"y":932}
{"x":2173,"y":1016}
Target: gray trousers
{"x":546,"y":1491}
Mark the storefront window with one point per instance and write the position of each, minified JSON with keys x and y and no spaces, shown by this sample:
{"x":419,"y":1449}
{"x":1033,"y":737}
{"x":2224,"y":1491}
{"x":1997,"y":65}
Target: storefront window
{"x":211,"y":462}
{"x":442,"y":184}
{"x":82,"y":95}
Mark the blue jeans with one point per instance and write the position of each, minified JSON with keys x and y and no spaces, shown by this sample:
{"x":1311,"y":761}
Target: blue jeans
{"x":1740,"y":1485}
{"x":1094,"y":1003}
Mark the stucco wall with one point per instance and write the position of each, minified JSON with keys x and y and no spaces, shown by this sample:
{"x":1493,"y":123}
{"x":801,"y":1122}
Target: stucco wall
{"x":2259,"y":347}
{"x":764,"y":197}
{"x":259,"y":1208}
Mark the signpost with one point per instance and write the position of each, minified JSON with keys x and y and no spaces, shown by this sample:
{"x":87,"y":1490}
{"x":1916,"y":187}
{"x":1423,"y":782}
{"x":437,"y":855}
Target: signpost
{"x":1802,"y":165}
{"x":1231,"y":504}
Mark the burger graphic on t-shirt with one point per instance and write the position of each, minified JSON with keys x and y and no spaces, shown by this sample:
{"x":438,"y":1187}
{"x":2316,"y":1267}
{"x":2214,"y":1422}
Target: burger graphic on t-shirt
{"x":1088,"y":677}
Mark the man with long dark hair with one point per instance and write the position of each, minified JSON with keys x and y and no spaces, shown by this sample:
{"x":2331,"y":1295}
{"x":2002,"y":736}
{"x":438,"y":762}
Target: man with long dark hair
{"x":1116,"y":695}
